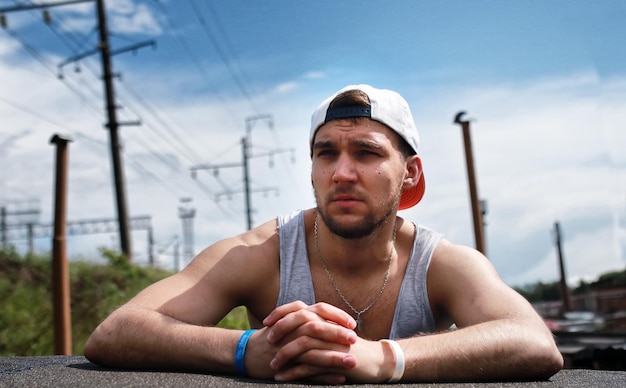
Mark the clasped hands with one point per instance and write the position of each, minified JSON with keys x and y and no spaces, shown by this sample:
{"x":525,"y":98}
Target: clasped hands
{"x":316,"y":343}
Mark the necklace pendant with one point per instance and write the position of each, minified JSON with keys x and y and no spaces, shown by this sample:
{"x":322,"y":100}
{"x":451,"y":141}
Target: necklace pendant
{"x":359,"y":323}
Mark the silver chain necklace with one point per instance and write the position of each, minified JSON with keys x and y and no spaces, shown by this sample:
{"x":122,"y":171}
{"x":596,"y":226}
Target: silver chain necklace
{"x":358,"y":313}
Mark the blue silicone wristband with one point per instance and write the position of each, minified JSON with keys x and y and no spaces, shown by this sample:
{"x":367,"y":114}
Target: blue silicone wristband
{"x":240,"y":352}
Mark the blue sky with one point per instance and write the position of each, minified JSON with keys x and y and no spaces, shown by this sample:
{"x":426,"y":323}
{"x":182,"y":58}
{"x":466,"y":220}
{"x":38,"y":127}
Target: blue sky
{"x":544,"y":82}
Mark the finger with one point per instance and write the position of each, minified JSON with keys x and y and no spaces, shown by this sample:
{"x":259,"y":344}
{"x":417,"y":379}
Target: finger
{"x":289,"y":323}
{"x":313,"y":351}
{"x":281,"y":311}
{"x":324,"y":310}
{"x":295,"y":314}
{"x":328,"y":359}
{"x":307,"y":323}
{"x":333,"y":314}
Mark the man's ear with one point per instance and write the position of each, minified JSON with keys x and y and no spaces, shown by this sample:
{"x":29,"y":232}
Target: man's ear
{"x":412,"y":173}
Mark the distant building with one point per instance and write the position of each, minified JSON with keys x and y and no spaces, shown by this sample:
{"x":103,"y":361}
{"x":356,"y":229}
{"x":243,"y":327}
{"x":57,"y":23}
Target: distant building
{"x":606,"y":302}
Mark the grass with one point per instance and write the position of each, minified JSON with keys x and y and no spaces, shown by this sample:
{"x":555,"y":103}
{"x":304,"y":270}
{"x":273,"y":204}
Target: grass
{"x":26,"y":312}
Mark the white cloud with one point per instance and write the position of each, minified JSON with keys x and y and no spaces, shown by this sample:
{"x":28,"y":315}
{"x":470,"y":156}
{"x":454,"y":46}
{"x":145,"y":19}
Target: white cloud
{"x":545,"y":150}
{"x":286,"y":87}
{"x":538,"y":150}
{"x":315,"y":75}
{"x":133,"y":19}
{"x":123,"y":17}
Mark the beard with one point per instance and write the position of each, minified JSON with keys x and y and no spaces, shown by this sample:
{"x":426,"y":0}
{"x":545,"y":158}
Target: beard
{"x":370,"y":223}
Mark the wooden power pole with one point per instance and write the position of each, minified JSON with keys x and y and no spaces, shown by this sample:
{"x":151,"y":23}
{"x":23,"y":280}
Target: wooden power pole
{"x":477,"y":211}
{"x":60,"y":266}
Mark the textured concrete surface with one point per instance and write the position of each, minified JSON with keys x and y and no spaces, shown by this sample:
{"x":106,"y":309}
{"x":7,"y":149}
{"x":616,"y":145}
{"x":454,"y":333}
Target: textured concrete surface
{"x":76,"y":371}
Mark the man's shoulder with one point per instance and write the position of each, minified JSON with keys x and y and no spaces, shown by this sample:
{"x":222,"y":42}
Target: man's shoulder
{"x":455,"y":261}
{"x":293,"y":217}
{"x":450,"y":252}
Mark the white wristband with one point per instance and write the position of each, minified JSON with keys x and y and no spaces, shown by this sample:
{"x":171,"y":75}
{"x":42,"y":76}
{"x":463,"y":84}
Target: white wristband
{"x":398,"y":355}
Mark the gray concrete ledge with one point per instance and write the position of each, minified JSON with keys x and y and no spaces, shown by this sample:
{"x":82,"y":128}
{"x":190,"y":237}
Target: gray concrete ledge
{"x":76,"y":371}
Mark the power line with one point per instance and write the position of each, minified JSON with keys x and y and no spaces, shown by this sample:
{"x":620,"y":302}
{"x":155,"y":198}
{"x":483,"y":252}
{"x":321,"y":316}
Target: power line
{"x":35,"y":54}
{"x":177,"y":144}
{"x":185,"y":152}
{"x":194,"y":59}
{"x":235,"y":76}
{"x":224,"y":35}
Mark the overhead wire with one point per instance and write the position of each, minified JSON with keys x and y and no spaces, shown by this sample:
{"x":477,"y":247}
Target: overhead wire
{"x":237,"y":76}
{"x":194,"y":59}
{"x":198,"y":65}
{"x":225,"y":38}
{"x":229,"y":47}
{"x":182,"y":148}
{"x":35,"y":54}
{"x":172,"y":140}
{"x":75,"y":132}
{"x":178,"y":144}
{"x":87,"y":101}
{"x":223,"y":57}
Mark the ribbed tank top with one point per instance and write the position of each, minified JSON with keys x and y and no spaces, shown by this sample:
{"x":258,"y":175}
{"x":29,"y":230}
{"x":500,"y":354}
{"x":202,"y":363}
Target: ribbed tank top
{"x":413,"y":314}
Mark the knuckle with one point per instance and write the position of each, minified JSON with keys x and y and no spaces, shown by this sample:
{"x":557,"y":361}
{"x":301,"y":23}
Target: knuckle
{"x":300,"y":304}
{"x":305,"y":342}
{"x":315,"y":328}
{"x":320,"y":306}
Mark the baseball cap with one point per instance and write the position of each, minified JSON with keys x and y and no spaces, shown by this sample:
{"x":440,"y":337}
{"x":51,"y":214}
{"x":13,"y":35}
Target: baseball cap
{"x":387,"y":107}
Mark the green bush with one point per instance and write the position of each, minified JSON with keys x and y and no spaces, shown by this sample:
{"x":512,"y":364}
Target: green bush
{"x":26,"y":312}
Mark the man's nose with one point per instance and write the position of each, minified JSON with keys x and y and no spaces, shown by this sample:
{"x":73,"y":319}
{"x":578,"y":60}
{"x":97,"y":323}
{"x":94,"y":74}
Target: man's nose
{"x":345,"y":169}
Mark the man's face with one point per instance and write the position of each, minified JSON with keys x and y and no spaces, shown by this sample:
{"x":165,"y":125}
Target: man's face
{"x":357,"y":175}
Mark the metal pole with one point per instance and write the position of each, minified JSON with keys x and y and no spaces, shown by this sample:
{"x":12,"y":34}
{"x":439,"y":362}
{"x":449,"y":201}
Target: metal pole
{"x":245,"y":145}
{"x":479,"y":233}
{"x":563,"y":280}
{"x":113,"y":125}
{"x":3,"y":226}
{"x":246,"y":181}
{"x":60,"y":267}
{"x":150,"y":247}
{"x":177,"y":256}
{"x":31,"y":238}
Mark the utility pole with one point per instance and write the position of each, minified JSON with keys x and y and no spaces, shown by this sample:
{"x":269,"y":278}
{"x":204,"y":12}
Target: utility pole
{"x":60,"y":266}
{"x":563,"y":280}
{"x":245,"y":145}
{"x":112,"y":122}
{"x":3,"y":226}
{"x":477,"y":208}
{"x":246,"y":142}
{"x":116,"y":157}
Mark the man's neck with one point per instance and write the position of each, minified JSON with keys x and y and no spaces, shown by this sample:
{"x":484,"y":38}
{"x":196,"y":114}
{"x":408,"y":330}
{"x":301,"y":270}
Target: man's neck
{"x":353,"y":255}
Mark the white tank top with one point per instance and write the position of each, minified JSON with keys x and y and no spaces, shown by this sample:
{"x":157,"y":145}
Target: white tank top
{"x":413,"y":314}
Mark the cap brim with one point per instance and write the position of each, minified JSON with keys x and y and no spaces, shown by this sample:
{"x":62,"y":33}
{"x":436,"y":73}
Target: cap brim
{"x":412,"y":196}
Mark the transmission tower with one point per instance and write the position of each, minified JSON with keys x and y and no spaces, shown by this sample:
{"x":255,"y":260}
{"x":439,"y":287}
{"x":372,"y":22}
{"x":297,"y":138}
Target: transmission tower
{"x":246,"y":145}
{"x":186,"y":214}
{"x":16,"y":232}
{"x":22,"y":213}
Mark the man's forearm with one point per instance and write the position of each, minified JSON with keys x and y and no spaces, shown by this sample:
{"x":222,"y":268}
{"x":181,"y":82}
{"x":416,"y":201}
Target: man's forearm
{"x":135,"y":337}
{"x":497,"y":350}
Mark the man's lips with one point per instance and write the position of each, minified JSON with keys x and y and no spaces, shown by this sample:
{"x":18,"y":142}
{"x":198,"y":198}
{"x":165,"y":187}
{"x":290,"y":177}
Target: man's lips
{"x":345,"y":198}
